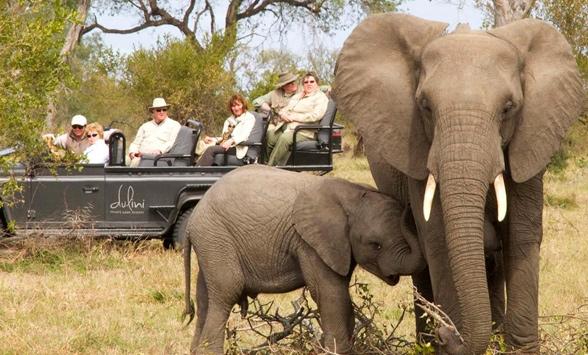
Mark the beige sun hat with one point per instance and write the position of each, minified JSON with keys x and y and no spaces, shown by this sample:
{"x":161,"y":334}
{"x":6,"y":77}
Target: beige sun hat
{"x":285,"y":78}
{"x":158,"y":103}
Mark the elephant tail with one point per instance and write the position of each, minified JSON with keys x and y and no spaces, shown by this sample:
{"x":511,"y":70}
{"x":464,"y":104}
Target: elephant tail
{"x":189,"y":310}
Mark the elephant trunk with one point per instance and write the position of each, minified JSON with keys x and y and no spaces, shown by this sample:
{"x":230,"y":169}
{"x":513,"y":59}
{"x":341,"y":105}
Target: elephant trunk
{"x":468,"y":160}
{"x":464,"y":223}
{"x":411,"y":258}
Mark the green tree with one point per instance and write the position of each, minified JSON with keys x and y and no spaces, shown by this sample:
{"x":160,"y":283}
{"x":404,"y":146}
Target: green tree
{"x":31,"y":38}
{"x":194,"y":82}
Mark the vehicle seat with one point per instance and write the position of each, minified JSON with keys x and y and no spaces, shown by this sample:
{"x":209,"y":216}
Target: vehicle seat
{"x":182,"y":153}
{"x":315,"y":151}
{"x":116,"y":149}
{"x":256,"y":143}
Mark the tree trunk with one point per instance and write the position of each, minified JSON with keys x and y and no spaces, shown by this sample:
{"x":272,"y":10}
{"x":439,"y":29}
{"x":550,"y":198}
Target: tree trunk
{"x":507,"y":11}
{"x":71,"y":40}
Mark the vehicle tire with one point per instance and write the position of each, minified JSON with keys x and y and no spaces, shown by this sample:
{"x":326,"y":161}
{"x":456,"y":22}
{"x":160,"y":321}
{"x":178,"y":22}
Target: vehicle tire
{"x":177,"y":240}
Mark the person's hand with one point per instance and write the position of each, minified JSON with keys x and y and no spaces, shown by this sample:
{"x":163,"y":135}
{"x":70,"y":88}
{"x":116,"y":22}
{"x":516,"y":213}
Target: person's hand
{"x":133,"y":155}
{"x":265,"y":107}
{"x":48,"y":137}
{"x":207,"y":139}
{"x":227,"y":144}
{"x":286,"y":117}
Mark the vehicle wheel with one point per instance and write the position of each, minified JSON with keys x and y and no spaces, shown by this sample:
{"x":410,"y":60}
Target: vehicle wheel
{"x":177,"y":240}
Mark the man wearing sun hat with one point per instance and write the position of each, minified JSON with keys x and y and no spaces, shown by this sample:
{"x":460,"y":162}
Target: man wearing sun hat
{"x":278,"y":98}
{"x":156,"y":136}
{"x":74,"y":140}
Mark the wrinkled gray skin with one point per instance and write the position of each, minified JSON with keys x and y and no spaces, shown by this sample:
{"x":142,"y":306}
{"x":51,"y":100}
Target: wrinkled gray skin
{"x":465,"y":107}
{"x":265,"y":230}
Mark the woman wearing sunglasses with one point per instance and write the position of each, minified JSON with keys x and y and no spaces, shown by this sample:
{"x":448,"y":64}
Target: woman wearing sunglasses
{"x":97,"y":151}
{"x":306,"y":107}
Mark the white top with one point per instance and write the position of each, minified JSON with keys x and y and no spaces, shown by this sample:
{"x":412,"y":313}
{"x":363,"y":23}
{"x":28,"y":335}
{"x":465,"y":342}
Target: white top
{"x":97,"y":153}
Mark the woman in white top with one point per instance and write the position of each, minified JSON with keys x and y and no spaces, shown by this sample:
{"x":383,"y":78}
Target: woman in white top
{"x":97,"y":151}
{"x":236,"y":129}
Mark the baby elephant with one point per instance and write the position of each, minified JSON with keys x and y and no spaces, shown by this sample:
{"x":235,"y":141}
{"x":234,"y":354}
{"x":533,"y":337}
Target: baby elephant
{"x":265,"y":230}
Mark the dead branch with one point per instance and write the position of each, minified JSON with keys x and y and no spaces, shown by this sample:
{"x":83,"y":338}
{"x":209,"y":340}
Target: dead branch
{"x":436,"y":313}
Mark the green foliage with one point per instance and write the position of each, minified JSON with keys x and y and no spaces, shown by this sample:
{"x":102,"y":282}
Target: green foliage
{"x":559,"y":162}
{"x":195,"y":83}
{"x":565,"y":203}
{"x":31,"y":38}
{"x":98,"y":92}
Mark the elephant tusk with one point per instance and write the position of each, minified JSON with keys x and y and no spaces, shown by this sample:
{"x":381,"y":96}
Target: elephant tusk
{"x":500,"y":196}
{"x":429,"y":194}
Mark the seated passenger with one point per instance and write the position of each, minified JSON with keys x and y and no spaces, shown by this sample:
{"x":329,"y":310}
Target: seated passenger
{"x":304,"y":108}
{"x":236,"y":129}
{"x":74,"y":140}
{"x":97,"y":151}
{"x":278,"y":98}
{"x":285,"y":89}
{"x":156,"y":136}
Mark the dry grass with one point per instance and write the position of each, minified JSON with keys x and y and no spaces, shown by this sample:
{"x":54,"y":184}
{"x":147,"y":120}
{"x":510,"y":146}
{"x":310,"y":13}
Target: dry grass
{"x":76,"y":296}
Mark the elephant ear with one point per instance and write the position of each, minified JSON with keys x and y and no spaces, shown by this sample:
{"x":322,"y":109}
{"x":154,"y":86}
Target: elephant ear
{"x":321,"y":220}
{"x":375,"y":84}
{"x":553,"y":94}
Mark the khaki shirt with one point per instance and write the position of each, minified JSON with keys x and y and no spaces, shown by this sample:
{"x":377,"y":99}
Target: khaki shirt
{"x":277,"y":99}
{"x":305,"y":109}
{"x":152,"y":136}
{"x":70,"y":142}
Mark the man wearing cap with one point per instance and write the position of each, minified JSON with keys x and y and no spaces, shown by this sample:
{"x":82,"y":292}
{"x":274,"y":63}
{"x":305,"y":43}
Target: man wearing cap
{"x":156,"y":136}
{"x":74,"y":140}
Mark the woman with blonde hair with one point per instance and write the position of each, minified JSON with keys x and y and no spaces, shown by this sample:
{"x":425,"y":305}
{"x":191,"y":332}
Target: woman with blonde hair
{"x":97,"y":151}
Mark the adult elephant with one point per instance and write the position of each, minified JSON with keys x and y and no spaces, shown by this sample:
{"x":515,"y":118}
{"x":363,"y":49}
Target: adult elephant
{"x":461,"y":112}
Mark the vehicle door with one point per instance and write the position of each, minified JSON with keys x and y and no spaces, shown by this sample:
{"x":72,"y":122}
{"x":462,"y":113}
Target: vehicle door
{"x":69,"y":198}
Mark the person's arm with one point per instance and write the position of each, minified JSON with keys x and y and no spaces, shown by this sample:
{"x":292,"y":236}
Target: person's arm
{"x":61,"y":141}
{"x":134,"y":147}
{"x":245,"y":132}
{"x":263,"y":102}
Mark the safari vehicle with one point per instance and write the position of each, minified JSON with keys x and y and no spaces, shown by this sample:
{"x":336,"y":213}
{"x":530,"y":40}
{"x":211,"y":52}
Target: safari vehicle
{"x":153,"y":200}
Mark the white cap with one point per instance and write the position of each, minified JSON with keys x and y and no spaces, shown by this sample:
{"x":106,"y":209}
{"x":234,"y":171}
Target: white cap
{"x":79,"y":120}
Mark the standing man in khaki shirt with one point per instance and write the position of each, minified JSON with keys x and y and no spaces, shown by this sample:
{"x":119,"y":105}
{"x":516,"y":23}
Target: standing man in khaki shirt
{"x":156,"y":136}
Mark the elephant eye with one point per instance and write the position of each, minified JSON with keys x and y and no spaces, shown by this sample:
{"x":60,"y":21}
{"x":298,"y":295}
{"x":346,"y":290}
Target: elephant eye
{"x":508,"y":107}
{"x":425,"y":105}
{"x":376,"y":246}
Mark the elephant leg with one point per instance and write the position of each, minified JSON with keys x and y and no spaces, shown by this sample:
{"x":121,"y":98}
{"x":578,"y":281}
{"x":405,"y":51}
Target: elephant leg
{"x":217,"y":294}
{"x":521,"y":263}
{"x":201,"y":307}
{"x":495,"y":275}
{"x":422,"y":281}
{"x":330,"y":291}
{"x":212,"y":337}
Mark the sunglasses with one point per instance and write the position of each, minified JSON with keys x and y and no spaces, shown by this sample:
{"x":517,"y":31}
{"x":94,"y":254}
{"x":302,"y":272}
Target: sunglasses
{"x":77,"y":126}
{"x":92,"y":135}
{"x":309,"y":81}
{"x":161,"y":109}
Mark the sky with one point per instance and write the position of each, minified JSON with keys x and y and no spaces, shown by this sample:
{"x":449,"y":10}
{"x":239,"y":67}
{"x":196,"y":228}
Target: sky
{"x":438,"y":10}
